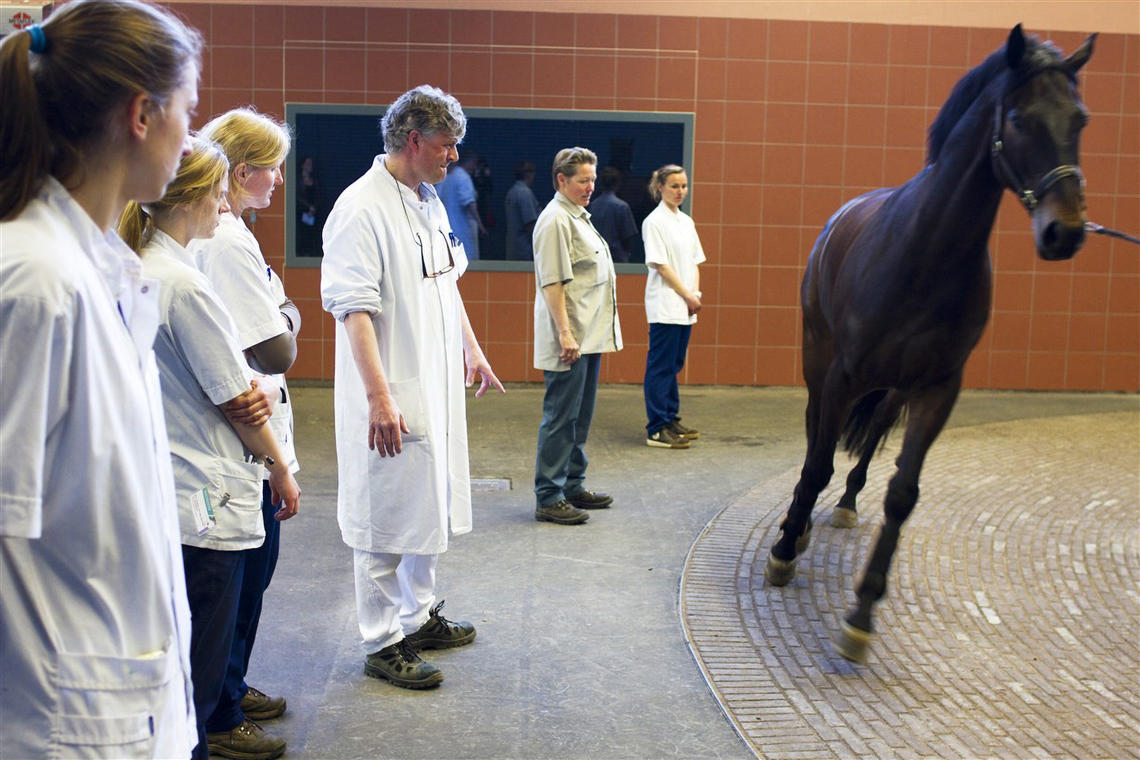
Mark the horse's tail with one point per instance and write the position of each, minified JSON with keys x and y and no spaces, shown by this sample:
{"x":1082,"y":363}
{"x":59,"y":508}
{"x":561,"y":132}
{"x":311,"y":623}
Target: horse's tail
{"x":870,"y":420}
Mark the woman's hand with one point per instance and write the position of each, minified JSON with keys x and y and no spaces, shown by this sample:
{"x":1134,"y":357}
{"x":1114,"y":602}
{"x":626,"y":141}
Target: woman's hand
{"x":571,"y":351}
{"x":251,"y":408}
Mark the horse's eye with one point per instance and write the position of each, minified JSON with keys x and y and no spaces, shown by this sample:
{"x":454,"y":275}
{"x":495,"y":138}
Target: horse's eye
{"x":1016,"y":120}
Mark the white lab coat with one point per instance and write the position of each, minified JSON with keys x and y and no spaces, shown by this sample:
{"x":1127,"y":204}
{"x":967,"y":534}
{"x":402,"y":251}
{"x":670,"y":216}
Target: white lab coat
{"x":372,"y":263}
{"x":202,"y":367}
{"x":94,"y":625}
{"x":252,"y":293}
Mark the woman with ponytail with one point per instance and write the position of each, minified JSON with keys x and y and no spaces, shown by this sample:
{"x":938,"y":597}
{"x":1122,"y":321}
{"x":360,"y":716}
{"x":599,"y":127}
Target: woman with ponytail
{"x":217,"y":461}
{"x":672,"y":299}
{"x":267,"y":324}
{"x":94,"y":643}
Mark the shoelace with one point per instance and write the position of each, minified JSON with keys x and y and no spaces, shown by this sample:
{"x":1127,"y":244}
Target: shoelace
{"x":407,"y":652}
{"x":433,"y":613}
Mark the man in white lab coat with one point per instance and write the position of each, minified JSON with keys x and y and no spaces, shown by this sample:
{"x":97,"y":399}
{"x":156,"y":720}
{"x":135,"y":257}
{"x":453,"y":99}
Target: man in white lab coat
{"x":389,"y":277}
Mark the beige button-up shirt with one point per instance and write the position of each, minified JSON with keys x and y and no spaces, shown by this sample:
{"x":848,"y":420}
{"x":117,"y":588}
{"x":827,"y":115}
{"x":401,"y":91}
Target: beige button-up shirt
{"x":569,"y":250}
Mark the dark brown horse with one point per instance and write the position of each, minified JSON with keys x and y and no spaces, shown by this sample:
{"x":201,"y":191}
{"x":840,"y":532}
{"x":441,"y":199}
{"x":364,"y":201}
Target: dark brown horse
{"x":897,"y":288}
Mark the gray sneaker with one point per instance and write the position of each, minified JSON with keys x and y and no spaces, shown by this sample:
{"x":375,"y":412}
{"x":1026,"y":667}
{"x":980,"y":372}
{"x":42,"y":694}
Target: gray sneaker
{"x":666,"y":439}
{"x":561,"y":512}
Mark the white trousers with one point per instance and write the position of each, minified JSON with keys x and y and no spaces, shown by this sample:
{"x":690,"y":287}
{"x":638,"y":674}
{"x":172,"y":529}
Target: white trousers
{"x":393,"y":595}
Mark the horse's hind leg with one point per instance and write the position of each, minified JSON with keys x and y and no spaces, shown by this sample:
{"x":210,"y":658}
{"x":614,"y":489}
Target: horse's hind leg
{"x":928,"y":414}
{"x":827,"y":407}
{"x":845,"y":515}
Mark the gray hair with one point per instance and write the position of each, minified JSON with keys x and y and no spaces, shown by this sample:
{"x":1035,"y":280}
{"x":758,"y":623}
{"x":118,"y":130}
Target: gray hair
{"x":425,"y":109}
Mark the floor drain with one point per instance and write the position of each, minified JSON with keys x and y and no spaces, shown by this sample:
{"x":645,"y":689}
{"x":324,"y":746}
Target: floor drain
{"x":490,"y":484}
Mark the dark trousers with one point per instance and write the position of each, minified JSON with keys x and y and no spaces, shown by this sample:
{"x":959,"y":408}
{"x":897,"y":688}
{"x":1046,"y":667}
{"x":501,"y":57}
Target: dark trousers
{"x":667,"y":347}
{"x":259,"y":566}
{"x":567,"y":409}
{"x":213,"y":582}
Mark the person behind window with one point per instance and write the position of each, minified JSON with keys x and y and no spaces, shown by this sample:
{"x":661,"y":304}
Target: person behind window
{"x":672,"y":299}
{"x":457,"y":191}
{"x":96,"y":105}
{"x":309,"y":212}
{"x":522,"y":211}
{"x":390,"y":278}
{"x":217,"y":470}
{"x":267,"y":324}
{"x":575,"y":322}
{"x":612,"y":216}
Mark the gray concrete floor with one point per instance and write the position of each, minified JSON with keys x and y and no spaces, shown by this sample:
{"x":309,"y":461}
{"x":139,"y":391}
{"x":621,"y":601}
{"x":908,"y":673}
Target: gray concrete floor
{"x":580,"y":651}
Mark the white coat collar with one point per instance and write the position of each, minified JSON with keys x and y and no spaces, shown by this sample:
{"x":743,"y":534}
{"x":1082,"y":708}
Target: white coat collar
{"x":113,"y":259}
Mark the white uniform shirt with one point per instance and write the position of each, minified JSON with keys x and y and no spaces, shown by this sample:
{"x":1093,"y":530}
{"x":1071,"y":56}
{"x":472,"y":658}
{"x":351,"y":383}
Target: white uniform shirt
{"x":201,"y":367}
{"x":252,"y":293}
{"x":372,"y":263}
{"x":94,"y":625}
{"x":569,"y":250}
{"x":670,"y":238}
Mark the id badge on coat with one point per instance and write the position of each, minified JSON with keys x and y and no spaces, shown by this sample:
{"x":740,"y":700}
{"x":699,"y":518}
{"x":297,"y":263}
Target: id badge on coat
{"x":203,"y":511}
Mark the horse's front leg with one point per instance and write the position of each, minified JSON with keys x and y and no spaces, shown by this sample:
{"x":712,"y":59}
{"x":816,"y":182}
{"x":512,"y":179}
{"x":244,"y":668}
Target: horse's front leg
{"x":928,"y":414}
{"x":828,"y":408}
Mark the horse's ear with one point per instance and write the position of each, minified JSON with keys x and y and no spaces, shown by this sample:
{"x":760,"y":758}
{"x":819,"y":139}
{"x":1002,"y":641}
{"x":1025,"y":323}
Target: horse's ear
{"x":1081,"y":55}
{"x":1015,"y":47}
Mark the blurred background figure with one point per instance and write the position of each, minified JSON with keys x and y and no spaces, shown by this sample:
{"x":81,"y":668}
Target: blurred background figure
{"x":310,"y":215}
{"x":612,"y":216}
{"x":522,"y":211}
{"x":457,"y":191}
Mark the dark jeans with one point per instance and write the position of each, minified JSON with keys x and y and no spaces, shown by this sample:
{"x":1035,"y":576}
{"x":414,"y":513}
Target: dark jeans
{"x":666,"y":357}
{"x":213,"y":582}
{"x":567,"y":409}
{"x":259,"y":566}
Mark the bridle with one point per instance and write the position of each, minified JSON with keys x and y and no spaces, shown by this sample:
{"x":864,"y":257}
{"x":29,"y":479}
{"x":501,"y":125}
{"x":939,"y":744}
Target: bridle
{"x":1005,"y":171}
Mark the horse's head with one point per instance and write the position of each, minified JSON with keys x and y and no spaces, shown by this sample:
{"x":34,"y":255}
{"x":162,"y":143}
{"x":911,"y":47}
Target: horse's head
{"x":1037,"y":128}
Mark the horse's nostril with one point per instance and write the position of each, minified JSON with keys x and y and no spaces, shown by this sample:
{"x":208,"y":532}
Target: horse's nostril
{"x":1049,"y":238}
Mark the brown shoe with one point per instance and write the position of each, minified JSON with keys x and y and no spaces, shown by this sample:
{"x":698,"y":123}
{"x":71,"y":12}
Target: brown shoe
{"x":562,"y":513}
{"x":246,"y":741}
{"x":590,"y":500}
{"x":679,"y":430}
{"x":257,"y":705}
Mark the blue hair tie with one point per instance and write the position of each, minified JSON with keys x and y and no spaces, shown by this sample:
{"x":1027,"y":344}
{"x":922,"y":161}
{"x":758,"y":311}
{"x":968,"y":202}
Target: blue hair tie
{"x":39,"y":39}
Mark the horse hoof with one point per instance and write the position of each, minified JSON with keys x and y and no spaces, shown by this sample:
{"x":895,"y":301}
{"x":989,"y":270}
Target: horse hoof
{"x":853,"y":643}
{"x":841,"y":517}
{"x":779,"y":572}
{"x":803,"y":541}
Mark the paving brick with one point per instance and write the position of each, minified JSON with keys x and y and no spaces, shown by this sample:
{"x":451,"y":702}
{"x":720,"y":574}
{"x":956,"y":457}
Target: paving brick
{"x":1009,"y":624}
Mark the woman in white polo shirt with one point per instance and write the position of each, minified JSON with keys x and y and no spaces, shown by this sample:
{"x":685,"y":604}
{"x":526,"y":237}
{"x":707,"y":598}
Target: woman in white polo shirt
{"x":94,"y":627}
{"x":217,"y":461}
{"x":672,"y":299}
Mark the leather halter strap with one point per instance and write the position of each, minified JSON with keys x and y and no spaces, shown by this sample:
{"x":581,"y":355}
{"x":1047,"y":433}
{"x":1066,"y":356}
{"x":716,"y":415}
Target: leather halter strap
{"x":1004,"y":170}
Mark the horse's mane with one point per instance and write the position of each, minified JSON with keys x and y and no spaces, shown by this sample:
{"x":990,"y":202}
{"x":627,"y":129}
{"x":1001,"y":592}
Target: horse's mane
{"x":970,"y":87}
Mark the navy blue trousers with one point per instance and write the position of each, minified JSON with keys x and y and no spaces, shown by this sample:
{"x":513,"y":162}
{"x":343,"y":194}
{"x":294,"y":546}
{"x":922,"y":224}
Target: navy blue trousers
{"x":213,"y":583}
{"x":259,"y":566}
{"x":667,"y":347}
{"x":567,"y":409}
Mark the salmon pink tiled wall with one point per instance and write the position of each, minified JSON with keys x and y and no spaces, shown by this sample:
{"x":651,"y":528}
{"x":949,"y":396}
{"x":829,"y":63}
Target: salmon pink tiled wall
{"x":792,"y":118}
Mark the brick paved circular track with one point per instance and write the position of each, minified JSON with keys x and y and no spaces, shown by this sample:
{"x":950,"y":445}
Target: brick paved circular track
{"x":1011,"y":623}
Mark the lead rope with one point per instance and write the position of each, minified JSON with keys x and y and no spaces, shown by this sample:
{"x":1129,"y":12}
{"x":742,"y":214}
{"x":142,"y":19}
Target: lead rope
{"x":1100,"y":230}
